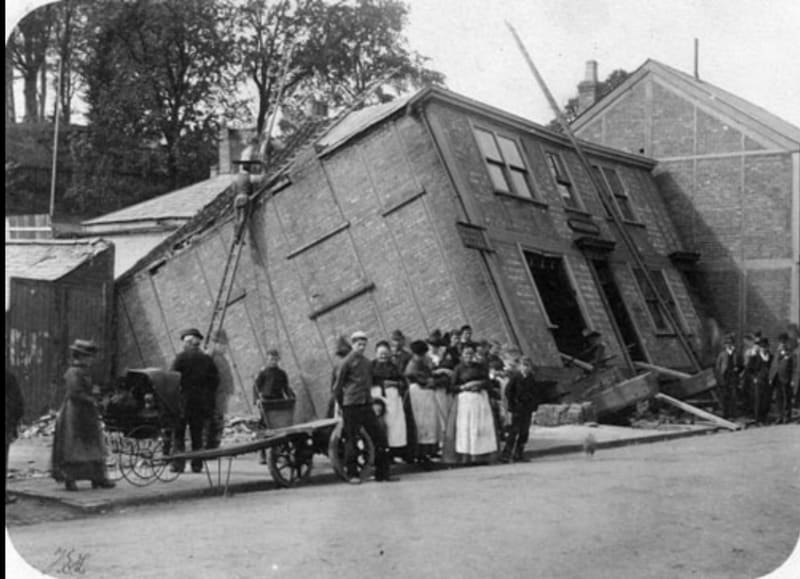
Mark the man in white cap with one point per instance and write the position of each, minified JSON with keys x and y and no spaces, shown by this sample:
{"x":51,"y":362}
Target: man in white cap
{"x":352,"y":390}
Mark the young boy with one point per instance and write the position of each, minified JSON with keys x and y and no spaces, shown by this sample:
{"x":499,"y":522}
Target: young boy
{"x":272,"y":383}
{"x":523,"y":397}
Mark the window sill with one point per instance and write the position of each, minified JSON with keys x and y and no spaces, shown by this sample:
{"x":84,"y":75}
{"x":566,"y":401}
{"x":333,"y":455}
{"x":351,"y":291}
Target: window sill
{"x":631,"y":223}
{"x":576,"y":211}
{"x":536,"y":202}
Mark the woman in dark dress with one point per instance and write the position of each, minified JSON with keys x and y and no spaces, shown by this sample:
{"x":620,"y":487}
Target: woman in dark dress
{"x":78,"y":448}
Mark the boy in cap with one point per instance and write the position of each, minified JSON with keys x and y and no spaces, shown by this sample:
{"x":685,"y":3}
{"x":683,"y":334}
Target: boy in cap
{"x":523,"y":397}
{"x":272,"y":383}
{"x":199,"y":382}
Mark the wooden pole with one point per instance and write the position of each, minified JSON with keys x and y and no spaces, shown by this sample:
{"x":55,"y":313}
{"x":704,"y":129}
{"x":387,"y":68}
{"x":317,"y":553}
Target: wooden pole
{"x":698,"y":412}
{"x":55,"y":144}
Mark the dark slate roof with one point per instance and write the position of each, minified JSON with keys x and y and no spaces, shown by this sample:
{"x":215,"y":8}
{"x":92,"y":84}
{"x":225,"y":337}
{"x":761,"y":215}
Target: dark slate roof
{"x":182,"y":204}
{"x":360,"y":120}
{"x":49,"y":259}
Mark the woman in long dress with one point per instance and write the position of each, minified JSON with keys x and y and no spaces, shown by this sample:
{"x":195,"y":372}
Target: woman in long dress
{"x":419,"y":374}
{"x":471,"y":428}
{"x":389,"y":385}
{"x":443,"y":360}
{"x":79,"y":451}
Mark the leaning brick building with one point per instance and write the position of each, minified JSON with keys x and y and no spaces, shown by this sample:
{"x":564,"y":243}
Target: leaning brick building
{"x":428,"y":212}
{"x":729,"y":173}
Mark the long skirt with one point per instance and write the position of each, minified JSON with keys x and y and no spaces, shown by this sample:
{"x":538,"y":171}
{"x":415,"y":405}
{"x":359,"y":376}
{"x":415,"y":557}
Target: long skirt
{"x":78,"y":447}
{"x":475,"y":428}
{"x":426,"y":414}
{"x":395,"y":417}
{"x":444,"y":401}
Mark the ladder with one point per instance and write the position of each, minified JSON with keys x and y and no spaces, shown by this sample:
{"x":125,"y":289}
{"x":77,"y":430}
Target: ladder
{"x":242,"y":209}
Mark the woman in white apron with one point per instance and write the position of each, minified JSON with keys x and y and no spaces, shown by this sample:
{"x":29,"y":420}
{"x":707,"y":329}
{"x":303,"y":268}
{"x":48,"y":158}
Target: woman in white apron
{"x":419,"y":374}
{"x":475,"y":435}
{"x":389,"y":385}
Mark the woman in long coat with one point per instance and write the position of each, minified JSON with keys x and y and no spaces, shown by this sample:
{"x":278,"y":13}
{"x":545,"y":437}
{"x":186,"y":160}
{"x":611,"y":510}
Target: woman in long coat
{"x":78,"y":449}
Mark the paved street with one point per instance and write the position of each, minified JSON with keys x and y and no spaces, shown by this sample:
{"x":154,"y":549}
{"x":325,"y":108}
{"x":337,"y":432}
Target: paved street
{"x":722,"y":505}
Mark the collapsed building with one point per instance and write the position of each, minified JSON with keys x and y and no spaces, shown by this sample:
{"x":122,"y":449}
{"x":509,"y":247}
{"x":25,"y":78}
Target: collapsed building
{"x":427,"y":212}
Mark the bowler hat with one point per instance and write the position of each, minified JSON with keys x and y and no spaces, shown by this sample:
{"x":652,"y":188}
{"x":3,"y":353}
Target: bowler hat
{"x":398,"y":335}
{"x":191,"y":332}
{"x":763,"y":342}
{"x":84,"y":347}
{"x":783,"y":337}
{"x":419,"y":347}
{"x":436,"y":339}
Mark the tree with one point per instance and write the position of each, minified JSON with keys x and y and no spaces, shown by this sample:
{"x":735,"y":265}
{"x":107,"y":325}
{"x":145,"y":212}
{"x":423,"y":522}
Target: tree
{"x":572,"y":108}
{"x":328,"y":50}
{"x":27,"y":47}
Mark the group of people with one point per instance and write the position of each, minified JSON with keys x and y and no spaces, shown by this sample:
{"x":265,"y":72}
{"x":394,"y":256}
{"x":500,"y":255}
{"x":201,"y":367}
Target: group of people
{"x":754,"y":378}
{"x":447,"y":397}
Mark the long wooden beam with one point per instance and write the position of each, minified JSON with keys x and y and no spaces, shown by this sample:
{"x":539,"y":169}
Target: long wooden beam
{"x":698,"y":412}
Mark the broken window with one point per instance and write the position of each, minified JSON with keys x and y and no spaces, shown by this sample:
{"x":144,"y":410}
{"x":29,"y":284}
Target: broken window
{"x":657,"y":313}
{"x":505,"y":164}
{"x":563,"y":183}
{"x":610,"y":179}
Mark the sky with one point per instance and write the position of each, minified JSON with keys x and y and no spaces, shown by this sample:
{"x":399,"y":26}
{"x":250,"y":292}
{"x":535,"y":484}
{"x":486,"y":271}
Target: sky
{"x":748,"y":47}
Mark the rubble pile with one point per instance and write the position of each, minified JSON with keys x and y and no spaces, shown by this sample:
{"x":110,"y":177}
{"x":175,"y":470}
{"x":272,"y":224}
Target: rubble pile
{"x":558,"y":414}
{"x":44,"y":426}
{"x":239,"y":429}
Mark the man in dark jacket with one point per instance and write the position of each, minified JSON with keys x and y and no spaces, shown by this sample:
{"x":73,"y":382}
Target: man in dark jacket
{"x":15,"y":408}
{"x":780,"y":377}
{"x":352,"y":390}
{"x":727,"y":367}
{"x":199,"y":382}
{"x":523,"y":394}
{"x":272,"y":383}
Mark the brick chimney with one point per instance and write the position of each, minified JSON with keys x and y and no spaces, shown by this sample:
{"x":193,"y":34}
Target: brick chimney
{"x":316,"y":108}
{"x":587,"y":88}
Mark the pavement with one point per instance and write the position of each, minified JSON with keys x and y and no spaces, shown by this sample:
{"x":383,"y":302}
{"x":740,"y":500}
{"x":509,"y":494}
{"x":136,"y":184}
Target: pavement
{"x":29,"y":467}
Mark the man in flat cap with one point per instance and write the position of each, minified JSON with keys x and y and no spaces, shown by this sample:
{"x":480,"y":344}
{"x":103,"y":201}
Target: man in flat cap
{"x":352,"y":390}
{"x":199,"y":383}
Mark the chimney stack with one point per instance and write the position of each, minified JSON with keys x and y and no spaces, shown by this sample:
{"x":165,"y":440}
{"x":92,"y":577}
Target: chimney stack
{"x":316,"y":108}
{"x":587,"y":89}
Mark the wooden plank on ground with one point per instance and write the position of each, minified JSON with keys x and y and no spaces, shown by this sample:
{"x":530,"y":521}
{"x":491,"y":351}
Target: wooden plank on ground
{"x":662,"y":370}
{"x":697,"y":412}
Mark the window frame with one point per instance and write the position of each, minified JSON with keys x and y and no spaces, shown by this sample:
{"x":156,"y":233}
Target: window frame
{"x":628,"y":216}
{"x":562,"y":178}
{"x":507,"y":168}
{"x":652,"y":302}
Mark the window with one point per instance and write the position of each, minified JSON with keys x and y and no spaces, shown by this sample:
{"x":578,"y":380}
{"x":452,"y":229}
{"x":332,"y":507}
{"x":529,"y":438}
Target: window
{"x":505,"y":164}
{"x":563,"y":183}
{"x":657,"y":313}
{"x":610,"y":178}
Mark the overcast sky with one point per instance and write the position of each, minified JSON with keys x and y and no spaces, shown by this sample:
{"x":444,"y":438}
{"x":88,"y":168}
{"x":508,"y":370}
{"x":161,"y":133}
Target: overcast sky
{"x":748,"y":47}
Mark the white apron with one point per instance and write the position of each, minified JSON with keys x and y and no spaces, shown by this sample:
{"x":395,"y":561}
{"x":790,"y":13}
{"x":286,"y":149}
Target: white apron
{"x":426,"y":414}
{"x":395,"y":417}
{"x":474,"y":424}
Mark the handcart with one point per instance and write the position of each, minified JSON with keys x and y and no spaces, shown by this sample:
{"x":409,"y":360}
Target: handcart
{"x":138,"y":420}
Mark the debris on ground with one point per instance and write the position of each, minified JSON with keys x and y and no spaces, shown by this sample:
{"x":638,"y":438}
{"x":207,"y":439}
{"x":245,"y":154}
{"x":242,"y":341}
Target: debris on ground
{"x":44,"y":426}
{"x":241,"y":429}
{"x":558,"y":414}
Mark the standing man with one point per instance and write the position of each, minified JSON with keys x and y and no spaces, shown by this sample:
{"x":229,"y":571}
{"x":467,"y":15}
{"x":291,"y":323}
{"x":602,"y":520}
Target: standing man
{"x":523,"y":394}
{"x":15,"y":408}
{"x":353,"y":393}
{"x":595,"y":351}
{"x":199,"y":382}
{"x":780,"y":378}
{"x":400,"y":356}
{"x":726,"y":371}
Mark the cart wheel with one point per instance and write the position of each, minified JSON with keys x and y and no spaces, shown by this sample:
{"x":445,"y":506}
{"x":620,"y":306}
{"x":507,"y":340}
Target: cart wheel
{"x":114,"y":442}
{"x":142,"y":456}
{"x":365,"y":452}
{"x":290,"y":461}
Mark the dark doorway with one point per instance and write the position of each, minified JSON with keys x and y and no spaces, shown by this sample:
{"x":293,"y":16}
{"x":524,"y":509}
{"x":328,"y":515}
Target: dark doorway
{"x":619,"y":312}
{"x":559,"y":301}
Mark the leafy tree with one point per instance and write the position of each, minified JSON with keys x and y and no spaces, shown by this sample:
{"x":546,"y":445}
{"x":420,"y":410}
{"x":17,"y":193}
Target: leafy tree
{"x":27,"y":48}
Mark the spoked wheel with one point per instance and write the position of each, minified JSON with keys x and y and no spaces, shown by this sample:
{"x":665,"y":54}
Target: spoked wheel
{"x":114,"y":442}
{"x":365,"y":453}
{"x":143,"y":456}
{"x":290,"y":461}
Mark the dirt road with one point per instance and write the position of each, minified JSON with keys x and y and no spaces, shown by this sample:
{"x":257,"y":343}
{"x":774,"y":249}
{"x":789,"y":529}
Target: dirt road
{"x":724,"y":505}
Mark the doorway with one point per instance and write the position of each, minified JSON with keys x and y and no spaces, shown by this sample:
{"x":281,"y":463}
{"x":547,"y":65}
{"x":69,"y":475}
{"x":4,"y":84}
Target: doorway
{"x":559,"y":300}
{"x":622,"y":319}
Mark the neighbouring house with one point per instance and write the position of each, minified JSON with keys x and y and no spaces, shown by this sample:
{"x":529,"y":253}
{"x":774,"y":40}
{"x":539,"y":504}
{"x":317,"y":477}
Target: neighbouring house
{"x":427,"y":212}
{"x":56,"y":291}
{"x":729,"y":174}
{"x":138,"y":229}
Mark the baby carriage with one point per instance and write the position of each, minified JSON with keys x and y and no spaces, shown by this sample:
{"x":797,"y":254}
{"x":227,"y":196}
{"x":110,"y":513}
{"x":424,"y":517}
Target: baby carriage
{"x":138,"y":420}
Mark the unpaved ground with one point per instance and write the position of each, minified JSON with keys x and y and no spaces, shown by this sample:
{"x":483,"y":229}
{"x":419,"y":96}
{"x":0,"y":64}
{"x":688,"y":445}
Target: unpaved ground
{"x":723,"y":505}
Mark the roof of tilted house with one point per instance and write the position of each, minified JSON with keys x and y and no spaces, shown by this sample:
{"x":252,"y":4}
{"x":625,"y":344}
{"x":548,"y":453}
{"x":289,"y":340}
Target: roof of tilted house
{"x":181,"y":204}
{"x":49,"y":259}
{"x":743,"y":110}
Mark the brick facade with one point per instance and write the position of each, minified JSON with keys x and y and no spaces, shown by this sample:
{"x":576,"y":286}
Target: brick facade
{"x":366,"y":236}
{"x":729,"y":175}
